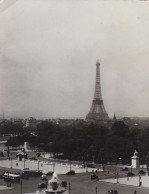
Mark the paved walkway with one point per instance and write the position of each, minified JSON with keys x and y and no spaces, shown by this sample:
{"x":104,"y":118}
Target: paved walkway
{"x":44,"y":166}
{"x":134,"y":181}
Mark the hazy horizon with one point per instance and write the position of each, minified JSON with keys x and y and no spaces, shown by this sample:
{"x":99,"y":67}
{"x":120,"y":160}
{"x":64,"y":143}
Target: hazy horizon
{"x":49,"y":51}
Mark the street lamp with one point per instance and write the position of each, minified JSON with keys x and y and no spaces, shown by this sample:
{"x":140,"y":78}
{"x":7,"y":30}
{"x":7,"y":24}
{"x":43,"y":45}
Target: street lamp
{"x":38,"y":165}
{"x":96,"y":190}
{"x":69,"y":188}
{"x":115,"y":173}
{"x":11,"y":162}
{"x":24,"y":163}
{"x":117,"y":177}
{"x":21,"y":186}
{"x":70,"y":166}
{"x":131,"y":168}
{"x":8,"y":152}
{"x":8,"y":181}
{"x":139,"y":180}
{"x":102,"y":158}
{"x":53,"y":167}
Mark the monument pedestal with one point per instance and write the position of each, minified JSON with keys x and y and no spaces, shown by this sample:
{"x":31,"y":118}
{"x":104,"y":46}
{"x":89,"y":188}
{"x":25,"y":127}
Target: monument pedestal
{"x":135,"y":160}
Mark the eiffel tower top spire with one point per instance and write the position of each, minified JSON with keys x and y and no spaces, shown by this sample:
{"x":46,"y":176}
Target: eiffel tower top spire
{"x":97,"y":94}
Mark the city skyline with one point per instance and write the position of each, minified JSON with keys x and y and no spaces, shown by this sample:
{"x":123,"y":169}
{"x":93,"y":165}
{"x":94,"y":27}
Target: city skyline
{"x":47,"y":59}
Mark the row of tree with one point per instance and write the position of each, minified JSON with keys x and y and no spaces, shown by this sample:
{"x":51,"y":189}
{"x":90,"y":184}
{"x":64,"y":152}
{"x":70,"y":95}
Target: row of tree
{"x":85,"y":142}
{"x":11,"y":128}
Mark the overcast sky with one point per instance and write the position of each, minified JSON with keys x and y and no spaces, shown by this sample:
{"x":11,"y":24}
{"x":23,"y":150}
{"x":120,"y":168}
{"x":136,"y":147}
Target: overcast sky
{"x":48,"y":54}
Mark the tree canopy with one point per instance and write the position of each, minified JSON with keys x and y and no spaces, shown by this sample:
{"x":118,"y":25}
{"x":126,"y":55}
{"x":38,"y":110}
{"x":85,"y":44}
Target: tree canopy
{"x":80,"y":141}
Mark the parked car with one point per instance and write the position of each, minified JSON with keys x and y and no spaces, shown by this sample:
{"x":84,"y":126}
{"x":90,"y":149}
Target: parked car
{"x":38,"y":154}
{"x":71,"y":172}
{"x":130,"y":174}
{"x":142,"y":172}
{"x":94,"y":177}
{"x":25,"y":175}
{"x":50,"y":173}
{"x":26,"y":169}
{"x":36,"y":173}
{"x":33,"y":173}
{"x":33,"y":158}
{"x":42,"y":185}
{"x":112,"y":192}
{"x":125,"y":169}
{"x":90,"y":166}
{"x":11,"y":177}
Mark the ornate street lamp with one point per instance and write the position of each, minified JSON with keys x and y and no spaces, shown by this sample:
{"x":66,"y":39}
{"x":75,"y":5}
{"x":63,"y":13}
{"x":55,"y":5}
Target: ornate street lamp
{"x":11,"y":162}
{"x":139,"y":180}
{"x":69,"y":188}
{"x":102,"y":158}
{"x":117,"y":176}
{"x":21,"y":186}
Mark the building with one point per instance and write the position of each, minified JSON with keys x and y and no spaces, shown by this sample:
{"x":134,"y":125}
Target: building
{"x":31,"y":123}
{"x":22,"y":155}
{"x":114,"y":118}
{"x":97,"y":111}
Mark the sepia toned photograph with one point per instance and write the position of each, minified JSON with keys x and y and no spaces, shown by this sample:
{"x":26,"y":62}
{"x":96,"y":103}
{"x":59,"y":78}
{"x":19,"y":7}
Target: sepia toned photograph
{"x":74,"y":92}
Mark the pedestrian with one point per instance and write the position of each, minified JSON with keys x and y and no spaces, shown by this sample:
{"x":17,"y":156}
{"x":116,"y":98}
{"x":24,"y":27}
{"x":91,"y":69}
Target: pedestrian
{"x":140,"y":184}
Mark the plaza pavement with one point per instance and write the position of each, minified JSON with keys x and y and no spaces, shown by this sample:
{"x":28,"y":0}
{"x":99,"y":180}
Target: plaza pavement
{"x":45,"y":166}
{"x":131,"y":181}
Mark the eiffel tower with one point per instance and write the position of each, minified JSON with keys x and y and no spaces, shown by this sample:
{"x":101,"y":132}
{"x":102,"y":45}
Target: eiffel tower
{"x":97,"y":111}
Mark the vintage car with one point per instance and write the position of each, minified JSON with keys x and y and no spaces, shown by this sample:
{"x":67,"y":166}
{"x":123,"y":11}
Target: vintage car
{"x":42,"y":185}
{"x":32,"y":173}
{"x":50,"y":173}
{"x":11,"y":177}
{"x":38,"y":154}
{"x":71,"y":172}
{"x":94,"y":177}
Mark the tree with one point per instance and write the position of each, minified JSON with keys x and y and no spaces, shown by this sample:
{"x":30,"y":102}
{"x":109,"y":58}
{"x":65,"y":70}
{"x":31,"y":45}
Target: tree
{"x":118,"y":147}
{"x":120,"y":129}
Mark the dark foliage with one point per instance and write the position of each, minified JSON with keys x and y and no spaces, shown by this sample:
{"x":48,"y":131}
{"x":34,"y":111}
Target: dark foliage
{"x":7,"y":128}
{"x":81,"y":141}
